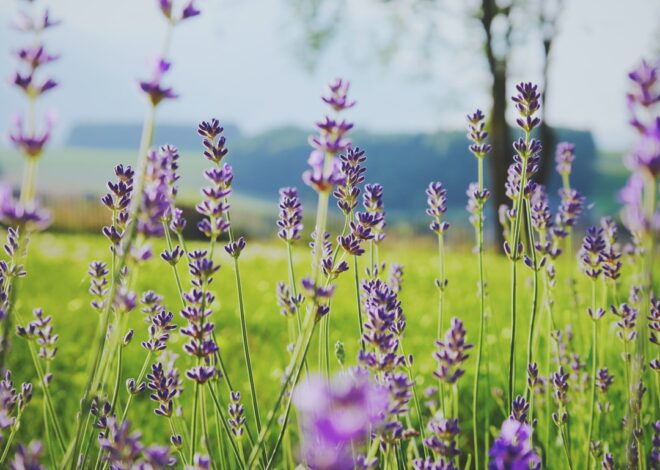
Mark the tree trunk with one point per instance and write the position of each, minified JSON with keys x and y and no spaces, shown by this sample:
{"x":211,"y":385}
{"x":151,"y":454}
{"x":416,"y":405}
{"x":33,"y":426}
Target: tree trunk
{"x":501,"y":154}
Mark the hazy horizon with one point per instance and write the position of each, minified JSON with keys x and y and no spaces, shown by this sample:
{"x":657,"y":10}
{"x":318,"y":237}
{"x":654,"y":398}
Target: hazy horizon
{"x":258,"y":84}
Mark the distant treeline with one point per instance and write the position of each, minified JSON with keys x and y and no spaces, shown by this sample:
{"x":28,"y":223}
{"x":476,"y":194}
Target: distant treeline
{"x":403,"y":163}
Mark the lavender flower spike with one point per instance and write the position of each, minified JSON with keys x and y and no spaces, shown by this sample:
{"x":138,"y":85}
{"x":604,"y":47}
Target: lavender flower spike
{"x":437,"y":202}
{"x":290,"y":221}
{"x":452,"y":353}
{"x":513,"y":448}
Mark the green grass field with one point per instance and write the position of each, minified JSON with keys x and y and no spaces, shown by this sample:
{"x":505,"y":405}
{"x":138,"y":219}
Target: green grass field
{"x":57,"y":281}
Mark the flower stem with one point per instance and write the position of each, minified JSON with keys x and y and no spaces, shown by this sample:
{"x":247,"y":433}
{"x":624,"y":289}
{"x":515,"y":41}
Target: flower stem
{"x":594,"y":361}
{"x":482,"y":314}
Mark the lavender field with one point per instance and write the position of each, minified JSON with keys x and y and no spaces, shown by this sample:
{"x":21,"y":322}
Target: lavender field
{"x":523,"y":334}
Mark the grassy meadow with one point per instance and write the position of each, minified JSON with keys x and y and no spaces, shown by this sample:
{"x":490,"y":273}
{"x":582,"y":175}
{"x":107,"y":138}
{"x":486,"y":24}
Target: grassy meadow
{"x":57,"y":283}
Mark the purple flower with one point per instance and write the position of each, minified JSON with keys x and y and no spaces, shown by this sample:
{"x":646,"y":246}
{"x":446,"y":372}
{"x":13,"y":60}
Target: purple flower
{"x":35,"y":56}
{"x":29,"y":144}
{"x":188,"y":11}
{"x":476,"y":201}
{"x":29,"y":85}
{"x":627,"y":323}
{"x":159,"y":191}
{"x":12,"y":403}
{"x":512,"y":450}
{"x":444,"y":433}
{"x":654,"y":321}
{"x":290,"y":221}
{"x":564,"y":157}
{"x":436,"y":198}
{"x":199,"y":330}
{"x":569,"y":211}
{"x":396,"y":278}
{"x":353,"y":170}
{"x":236,"y":418}
{"x":28,"y":457}
{"x":430,"y":464}
{"x":519,"y":409}
{"x":527,"y":103}
{"x":164,"y":386}
{"x":452,"y":353}
{"x":325,"y":169}
{"x":27,"y":24}
{"x":336,"y":415}
{"x":98,"y":284}
{"x":381,"y":328}
{"x":287,"y":302}
{"x":591,"y":253}
{"x":477,"y":134}
{"x":153,"y":88}
{"x":338,"y":99}
{"x":215,"y":206}
{"x":30,"y":216}
{"x":372,"y":200}
{"x":236,"y":247}
{"x":645,"y":93}
{"x":41,"y":331}
{"x":645,"y":156}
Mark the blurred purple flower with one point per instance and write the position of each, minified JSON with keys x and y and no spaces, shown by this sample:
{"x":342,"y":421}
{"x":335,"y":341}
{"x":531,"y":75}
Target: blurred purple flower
{"x":337,"y":414}
{"x":290,"y":221}
{"x":564,"y":157}
{"x":512,"y":450}
{"x":153,"y":88}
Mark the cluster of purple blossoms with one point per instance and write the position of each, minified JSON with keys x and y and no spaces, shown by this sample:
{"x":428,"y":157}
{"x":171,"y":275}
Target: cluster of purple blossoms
{"x":436,"y":198}
{"x":443,"y":439}
{"x":153,"y":88}
{"x":12,"y":403}
{"x":118,"y":200}
{"x":352,"y":170}
{"x":124,"y":449}
{"x":452,"y":353}
{"x":159,"y":321}
{"x":41,"y":332}
{"x":627,"y":324}
{"x":372,"y":200}
{"x":319,"y":296}
{"x":325,"y":169}
{"x":165,"y":386}
{"x":513,"y":447}
{"x":98,"y":284}
{"x":654,"y":331}
{"x":591,"y":253}
{"x":197,"y":311}
{"x":13,"y":213}
{"x":519,"y":408}
{"x":564,"y":158}
{"x":28,"y":457}
{"x":644,"y":160}
{"x":337,"y":415}
{"x":569,"y":211}
{"x":187,"y":11}
{"x":287,"y":302}
{"x":477,"y":134}
{"x":611,"y":255}
{"x":290,"y":220}
{"x":236,"y":417}
{"x":560,"y":385}
{"x":476,"y":200}
{"x":30,"y":142}
{"x":159,"y":191}
{"x":603,"y":382}
{"x":382,"y":327}
{"x":215,"y":205}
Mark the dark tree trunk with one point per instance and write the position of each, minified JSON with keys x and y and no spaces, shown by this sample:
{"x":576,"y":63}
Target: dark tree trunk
{"x":501,"y":154}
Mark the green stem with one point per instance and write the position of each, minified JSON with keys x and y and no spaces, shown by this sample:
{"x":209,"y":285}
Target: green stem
{"x":219,"y":409}
{"x":535,"y":288}
{"x":140,"y":376}
{"x":193,"y":431}
{"x":594,"y":361}
{"x":357,"y":300}
{"x":482,"y":312}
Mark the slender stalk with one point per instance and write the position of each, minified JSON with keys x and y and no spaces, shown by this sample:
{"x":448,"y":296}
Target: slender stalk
{"x":519,"y":207}
{"x":193,"y":430}
{"x":482,"y":313}
{"x":179,"y":451}
{"x":594,"y":361}
{"x":418,"y":408}
{"x":441,"y":282}
{"x":358,"y":303}
{"x":535,"y":288}
{"x":223,"y":420}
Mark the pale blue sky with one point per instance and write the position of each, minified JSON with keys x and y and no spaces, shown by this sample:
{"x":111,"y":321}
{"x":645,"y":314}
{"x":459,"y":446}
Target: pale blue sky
{"x":236,"y":62}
